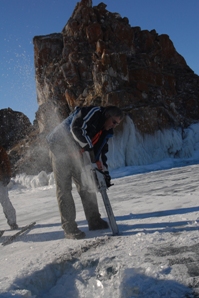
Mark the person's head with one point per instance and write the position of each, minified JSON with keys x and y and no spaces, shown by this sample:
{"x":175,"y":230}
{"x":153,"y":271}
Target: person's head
{"x":114,"y":116}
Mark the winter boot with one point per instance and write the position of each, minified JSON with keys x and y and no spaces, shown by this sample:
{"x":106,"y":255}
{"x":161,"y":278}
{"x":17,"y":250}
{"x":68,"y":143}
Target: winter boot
{"x":97,"y":224}
{"x":74,"y":234}
{"x":13,"y":226}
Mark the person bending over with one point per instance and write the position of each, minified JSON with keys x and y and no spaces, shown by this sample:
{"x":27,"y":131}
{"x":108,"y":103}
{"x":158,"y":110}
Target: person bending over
{"x":87,"y":129}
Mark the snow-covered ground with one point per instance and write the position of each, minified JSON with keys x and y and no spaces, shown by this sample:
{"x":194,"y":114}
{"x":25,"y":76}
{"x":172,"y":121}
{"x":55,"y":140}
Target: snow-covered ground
{"x":156,"y":254}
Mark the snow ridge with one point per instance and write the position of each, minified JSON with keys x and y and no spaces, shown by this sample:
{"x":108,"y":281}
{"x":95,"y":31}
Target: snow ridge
{"x":41,"y":283}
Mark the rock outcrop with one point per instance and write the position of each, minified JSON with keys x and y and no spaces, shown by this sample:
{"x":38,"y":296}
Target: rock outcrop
{"x":15,"y":134}
{"x":99,"y":59}
{"x":14,"y":126}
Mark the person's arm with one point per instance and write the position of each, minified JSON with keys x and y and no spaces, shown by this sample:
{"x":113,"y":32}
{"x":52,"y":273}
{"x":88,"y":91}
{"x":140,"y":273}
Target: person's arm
{"x":81,"y":124}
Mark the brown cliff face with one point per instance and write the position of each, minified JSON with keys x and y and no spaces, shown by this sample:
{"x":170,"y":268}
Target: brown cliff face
{"x":14,"y":126}
{"x":15,"y":131}
{"x":99,"y":59}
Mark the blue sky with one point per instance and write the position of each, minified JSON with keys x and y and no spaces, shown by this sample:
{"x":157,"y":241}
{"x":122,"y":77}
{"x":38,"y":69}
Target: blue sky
{"x":21,"y":20}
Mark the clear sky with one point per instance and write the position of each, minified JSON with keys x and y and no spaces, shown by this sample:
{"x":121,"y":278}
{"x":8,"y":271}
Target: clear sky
{"x":21,"y":20}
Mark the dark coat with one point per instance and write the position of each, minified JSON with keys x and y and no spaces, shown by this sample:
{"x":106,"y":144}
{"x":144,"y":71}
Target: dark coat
{"x":83,"y":125}
{"x":5,"y":167}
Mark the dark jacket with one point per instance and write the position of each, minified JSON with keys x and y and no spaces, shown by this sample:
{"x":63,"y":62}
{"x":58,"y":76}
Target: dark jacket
{"x":5,"y":167}
{"x":84,"y":124}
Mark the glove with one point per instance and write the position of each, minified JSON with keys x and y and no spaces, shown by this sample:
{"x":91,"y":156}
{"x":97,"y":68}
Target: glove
{"x":6,"y":180}
{"x":107,"y":179}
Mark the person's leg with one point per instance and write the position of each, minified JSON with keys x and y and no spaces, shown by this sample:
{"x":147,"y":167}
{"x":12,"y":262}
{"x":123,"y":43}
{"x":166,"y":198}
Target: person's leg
{"x":7,"y":206}
{"x":89,"y":202}
{"x":63,"y":179}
